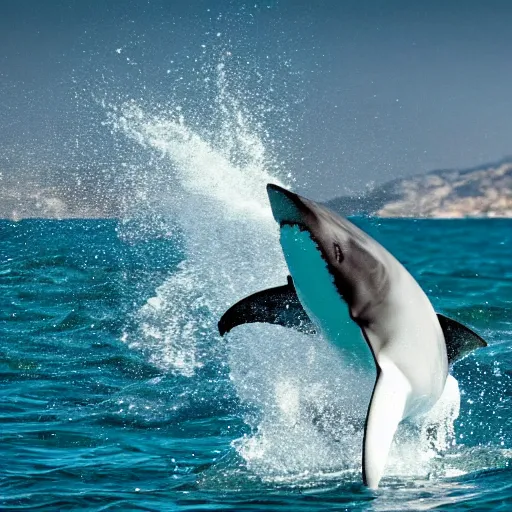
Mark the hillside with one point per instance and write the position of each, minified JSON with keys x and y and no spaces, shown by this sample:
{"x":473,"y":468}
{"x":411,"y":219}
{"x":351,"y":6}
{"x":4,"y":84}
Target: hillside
{"x":53,"y":202}
{"x":484,"y":191}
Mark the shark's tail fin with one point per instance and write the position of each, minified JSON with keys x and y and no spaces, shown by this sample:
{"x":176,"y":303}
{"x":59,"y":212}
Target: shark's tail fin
{"x":385,"y":412}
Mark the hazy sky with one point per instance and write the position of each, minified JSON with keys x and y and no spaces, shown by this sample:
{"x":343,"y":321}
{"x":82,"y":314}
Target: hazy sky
{"x":361,"y":90}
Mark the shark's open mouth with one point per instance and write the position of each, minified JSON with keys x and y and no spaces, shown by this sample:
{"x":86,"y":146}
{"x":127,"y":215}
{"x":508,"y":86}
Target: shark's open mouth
{"x":286,"y":206}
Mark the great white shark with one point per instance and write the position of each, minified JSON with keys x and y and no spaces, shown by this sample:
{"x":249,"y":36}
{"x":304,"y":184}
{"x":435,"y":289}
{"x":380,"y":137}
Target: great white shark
{"x":347,"y":286}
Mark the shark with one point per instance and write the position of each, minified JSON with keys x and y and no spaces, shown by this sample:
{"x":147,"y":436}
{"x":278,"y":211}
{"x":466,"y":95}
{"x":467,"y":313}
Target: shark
{"x":348,"y":287}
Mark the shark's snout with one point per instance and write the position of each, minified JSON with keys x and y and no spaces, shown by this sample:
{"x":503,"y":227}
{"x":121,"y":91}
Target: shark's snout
{"x":287,"y":207}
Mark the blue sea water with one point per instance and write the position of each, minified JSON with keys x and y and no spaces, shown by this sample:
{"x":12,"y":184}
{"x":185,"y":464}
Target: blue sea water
{"x":117,"y":393}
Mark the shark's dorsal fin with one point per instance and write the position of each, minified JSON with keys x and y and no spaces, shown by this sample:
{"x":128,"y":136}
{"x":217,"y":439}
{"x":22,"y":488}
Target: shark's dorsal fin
{"x":460,"y":340}
{"x":278,"y":305}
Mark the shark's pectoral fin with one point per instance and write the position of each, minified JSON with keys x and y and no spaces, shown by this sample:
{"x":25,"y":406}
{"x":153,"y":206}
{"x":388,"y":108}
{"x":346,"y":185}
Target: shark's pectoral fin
{"x":385,"y":412}
{"x":460,"y":340}
{"x":278,"y":305}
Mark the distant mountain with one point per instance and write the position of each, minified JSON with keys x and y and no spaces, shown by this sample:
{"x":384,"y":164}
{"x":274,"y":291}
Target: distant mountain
{"x":484,"y":191}
{"x":31,"y":199}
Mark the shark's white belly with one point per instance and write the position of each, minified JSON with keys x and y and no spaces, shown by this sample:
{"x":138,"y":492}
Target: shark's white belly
{"x":412,"y":339}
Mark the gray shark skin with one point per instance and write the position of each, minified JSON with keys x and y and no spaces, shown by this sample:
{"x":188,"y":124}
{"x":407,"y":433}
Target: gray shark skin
{"x":340,"y":275}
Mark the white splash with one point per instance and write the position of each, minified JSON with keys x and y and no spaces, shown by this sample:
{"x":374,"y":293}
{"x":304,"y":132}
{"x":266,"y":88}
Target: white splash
{"x":220,"y":203}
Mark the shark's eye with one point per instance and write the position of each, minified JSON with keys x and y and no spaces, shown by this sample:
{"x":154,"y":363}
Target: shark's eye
{"x":338,"y":254}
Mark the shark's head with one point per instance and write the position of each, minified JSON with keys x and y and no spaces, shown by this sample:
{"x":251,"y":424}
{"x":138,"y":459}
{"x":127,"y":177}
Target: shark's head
{"x":321,"y":242}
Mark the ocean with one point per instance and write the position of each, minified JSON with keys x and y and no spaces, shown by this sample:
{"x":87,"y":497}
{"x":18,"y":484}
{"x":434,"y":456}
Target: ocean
{"x":118,"y":394}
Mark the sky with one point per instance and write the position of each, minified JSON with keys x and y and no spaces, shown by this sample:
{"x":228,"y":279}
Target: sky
{"x":348,"y":93}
